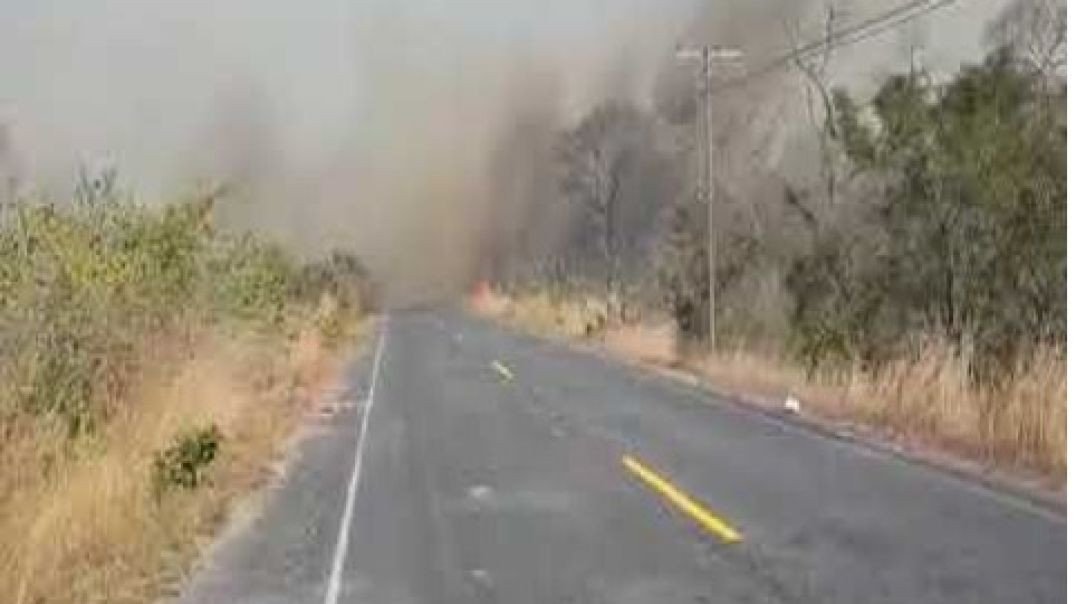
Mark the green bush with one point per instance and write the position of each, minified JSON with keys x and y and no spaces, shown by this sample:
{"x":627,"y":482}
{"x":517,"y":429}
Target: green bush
{"x":251,"y":280}
{"x":966,"y":237}
{"x":85,"y":286}
{"x":183,"y":464}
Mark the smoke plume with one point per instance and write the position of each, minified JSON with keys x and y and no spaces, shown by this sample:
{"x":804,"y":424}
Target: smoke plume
{"x":416,"y":134}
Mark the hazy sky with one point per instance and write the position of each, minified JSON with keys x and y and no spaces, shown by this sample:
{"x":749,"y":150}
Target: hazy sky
{"x":139,"y":81}
{"x":82,"y":78}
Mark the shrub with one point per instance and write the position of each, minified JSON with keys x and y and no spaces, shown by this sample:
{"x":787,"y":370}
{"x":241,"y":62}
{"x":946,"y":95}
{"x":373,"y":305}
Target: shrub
{"x":85,"y":287}
{"x":341,"y":275}
{"x":182,"y":464}
{"x":251,"y":280}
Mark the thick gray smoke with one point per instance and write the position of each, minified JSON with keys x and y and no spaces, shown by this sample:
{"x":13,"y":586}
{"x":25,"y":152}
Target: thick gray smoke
{"x":414,"y":133}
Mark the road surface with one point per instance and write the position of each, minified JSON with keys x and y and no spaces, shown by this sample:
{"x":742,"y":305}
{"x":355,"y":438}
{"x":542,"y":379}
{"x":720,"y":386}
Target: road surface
{"x":494,"y":467}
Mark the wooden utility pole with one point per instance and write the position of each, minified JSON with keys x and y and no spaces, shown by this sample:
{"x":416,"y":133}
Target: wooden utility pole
{"x":706,"y":55}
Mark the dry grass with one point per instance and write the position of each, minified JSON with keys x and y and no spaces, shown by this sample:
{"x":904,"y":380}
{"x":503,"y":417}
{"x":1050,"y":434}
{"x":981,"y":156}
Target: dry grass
{"x":649,"y":341}
{"x":79,"y":521}
{"x":540,"y":312}
{"x":929,"y":403}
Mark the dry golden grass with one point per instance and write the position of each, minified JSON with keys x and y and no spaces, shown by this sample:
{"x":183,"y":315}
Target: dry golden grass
{"x":929,"y":402}
{"x":542,"y":313}
{"x":81,"y":523}
{"x":650,"y":342}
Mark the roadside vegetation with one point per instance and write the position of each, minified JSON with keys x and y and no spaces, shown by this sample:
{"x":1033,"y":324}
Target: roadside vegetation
{"x":912,"y":282}
{"x":152,"y":367}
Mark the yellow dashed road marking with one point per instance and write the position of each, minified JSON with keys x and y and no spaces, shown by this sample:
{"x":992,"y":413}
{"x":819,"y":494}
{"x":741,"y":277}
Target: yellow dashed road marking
{"x":696,"y":511}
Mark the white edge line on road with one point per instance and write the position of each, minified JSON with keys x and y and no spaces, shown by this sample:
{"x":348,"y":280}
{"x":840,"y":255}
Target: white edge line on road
{"x":332,"y":593}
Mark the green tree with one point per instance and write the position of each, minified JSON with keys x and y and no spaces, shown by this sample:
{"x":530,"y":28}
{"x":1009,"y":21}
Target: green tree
{"x":966,"y":231}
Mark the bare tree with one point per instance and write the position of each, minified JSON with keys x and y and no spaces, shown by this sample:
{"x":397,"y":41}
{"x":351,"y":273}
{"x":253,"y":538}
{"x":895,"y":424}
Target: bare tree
{"x":817,"y":91}
{"x":1035,"y":31}
{"x":597,"y":158}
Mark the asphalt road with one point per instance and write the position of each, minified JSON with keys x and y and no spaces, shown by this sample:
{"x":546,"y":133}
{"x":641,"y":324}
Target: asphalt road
{"x":491,"y":469}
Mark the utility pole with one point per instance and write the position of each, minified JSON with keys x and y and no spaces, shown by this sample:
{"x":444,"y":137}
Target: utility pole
{"x":706,"y":55}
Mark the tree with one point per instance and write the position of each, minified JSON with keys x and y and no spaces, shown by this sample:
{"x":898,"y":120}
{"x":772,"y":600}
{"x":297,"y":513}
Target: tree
{"x":682,"y":267}
{"x":1034,"y":31}
{"x":966,"y":235}
{"x":611,"y":168}
{"x":817,"y":92}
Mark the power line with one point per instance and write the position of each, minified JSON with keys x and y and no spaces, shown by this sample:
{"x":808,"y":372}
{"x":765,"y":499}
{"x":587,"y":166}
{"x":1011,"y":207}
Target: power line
{"x":705,"y":55}
{"x":893,"y":24}
{"x":821,"y":45}
{"x":863,"y":30}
